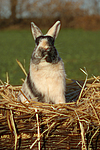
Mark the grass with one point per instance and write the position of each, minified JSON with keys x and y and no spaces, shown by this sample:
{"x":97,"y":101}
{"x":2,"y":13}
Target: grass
{"x":77,"y":48}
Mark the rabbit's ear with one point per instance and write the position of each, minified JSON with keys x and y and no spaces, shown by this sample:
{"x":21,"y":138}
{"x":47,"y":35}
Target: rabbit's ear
{"x":54,"y":30}
{"x":36,"y":32}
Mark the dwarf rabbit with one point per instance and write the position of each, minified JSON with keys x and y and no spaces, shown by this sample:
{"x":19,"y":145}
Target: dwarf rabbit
{"x":46,"y":79}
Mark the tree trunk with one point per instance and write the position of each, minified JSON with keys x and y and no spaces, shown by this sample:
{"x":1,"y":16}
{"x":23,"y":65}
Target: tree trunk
{"x":13,"y":10}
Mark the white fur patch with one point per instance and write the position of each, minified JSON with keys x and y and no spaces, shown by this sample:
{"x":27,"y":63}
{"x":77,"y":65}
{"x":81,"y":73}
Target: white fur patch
{"x":49,"y":79}
{"x":44,"y":44}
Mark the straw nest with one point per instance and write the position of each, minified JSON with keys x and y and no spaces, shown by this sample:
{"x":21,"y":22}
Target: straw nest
{"x":74,"y":125}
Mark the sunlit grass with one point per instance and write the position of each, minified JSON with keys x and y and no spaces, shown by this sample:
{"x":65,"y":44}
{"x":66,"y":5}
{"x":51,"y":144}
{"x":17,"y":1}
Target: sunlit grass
{"x":77,"y":48}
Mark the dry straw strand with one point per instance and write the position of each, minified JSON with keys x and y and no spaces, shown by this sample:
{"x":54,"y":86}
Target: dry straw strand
{"x":93,"y":137}
{"x":38,"y":129}
{"x":21,"y":66}
{"x":82,"y":133}
{"x":42,"y":135}
{"x":14,"y":128}
{"x":83,"y":84}
{"x":95,"y":114}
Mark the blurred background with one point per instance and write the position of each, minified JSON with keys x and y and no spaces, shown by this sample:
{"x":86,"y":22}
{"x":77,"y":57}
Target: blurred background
{"x":78,"y":42}
{"x":72,"y":13}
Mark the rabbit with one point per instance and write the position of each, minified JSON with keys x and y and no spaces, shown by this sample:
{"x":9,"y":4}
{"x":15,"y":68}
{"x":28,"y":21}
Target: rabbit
{"x":46,"y":80}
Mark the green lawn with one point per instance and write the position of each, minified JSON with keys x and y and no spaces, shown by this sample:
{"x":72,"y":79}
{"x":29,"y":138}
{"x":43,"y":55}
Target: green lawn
{"x":77,"y":48}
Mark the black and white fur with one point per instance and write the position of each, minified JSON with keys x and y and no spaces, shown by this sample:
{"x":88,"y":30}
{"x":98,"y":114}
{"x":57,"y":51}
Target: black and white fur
{"x":46,"y":79}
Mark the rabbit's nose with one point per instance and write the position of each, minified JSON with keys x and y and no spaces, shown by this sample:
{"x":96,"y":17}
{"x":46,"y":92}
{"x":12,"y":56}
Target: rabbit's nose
{"x":46,"y":49}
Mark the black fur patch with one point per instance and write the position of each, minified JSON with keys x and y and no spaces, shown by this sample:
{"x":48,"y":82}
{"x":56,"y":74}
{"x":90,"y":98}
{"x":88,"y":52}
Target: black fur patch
{"x":33,"y":89}
{"x":52,"y":56}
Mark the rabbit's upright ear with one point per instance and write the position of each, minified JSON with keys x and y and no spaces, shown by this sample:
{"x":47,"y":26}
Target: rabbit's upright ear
{"x":54,"y":30}
{"x":36,"y":32}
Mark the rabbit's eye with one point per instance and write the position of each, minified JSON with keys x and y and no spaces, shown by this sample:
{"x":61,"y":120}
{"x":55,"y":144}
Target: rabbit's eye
{"x":51,"y":40}
{"x":38,"y":39}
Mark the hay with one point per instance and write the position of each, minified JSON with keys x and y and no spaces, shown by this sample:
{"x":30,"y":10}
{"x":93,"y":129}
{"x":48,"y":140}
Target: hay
{"x":74,"y":125}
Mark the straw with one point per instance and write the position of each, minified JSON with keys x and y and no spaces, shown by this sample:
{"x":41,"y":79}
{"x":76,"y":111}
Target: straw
{"x":53,"y":123}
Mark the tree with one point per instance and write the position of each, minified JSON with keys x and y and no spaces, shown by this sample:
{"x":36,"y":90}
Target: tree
{"x":96,"y":7}
{"x":61,"y":9}
{"x":13,"y":10}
